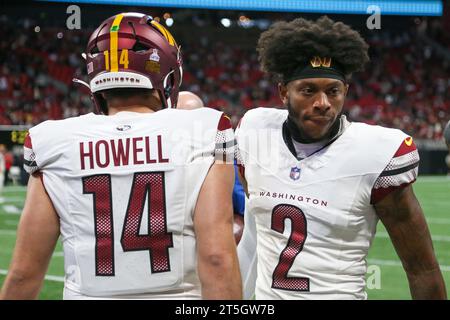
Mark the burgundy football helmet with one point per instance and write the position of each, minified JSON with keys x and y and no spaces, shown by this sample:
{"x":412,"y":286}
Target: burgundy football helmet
{"x":132,"y":50}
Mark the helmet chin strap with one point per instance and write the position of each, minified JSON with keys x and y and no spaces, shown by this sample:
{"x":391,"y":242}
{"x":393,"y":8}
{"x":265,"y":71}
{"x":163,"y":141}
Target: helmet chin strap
{"x":180,"y":65}
{"x":84,"y":83}
{"x":97,"y":104}
{"x":167,"y":90}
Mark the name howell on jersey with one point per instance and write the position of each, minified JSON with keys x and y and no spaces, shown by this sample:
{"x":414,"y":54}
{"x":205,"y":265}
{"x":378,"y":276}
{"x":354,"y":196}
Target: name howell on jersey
{"x":122,"y":152}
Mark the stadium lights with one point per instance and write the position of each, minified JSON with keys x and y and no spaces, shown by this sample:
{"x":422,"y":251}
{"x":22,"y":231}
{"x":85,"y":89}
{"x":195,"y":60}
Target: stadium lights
{"x":225,"y":22}
{"x":245,"y":22}
{"x":169,"y":22}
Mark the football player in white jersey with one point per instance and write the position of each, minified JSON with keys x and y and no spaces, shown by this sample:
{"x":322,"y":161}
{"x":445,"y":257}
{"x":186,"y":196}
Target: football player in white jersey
{"x":317,"y":183}
{"x":141,"y":195}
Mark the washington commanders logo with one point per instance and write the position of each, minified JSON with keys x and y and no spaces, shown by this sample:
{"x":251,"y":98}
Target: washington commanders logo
{"x":408,"y":141}
{"x":295,"y":173}
{"x":317,"y":62}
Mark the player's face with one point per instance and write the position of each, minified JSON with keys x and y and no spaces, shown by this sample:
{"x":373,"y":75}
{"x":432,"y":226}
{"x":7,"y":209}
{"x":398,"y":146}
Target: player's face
{"x":314,"y":105}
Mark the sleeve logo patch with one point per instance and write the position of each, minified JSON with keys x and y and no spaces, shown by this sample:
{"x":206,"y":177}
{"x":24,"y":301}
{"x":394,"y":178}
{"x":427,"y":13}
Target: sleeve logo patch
{"x":408,"y":141}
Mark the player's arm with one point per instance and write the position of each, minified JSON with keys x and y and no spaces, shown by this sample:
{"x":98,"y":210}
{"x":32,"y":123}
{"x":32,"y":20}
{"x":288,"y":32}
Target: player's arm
{"x":37,"y":234}
{"x":213,"y":221}
{"x":242,"y":180}
{"x":238,"y":207}
{"x":404,"y":220}
{"x":400,"y":212}
{"x":240,"y":165}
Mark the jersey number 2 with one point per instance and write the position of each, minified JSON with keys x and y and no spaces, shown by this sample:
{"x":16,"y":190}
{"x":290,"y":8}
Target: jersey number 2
{"x":157,"y":241}
{"x":280,"y":279}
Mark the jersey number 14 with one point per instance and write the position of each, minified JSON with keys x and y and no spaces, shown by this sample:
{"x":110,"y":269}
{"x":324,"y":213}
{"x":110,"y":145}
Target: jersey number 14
{"x":157,"y":241}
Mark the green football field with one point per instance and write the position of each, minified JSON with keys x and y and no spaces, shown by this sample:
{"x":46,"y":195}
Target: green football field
{"x":385,"y":279}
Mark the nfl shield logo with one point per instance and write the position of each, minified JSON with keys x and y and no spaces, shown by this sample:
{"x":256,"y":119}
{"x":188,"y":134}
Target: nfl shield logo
{"x":295,"y":173}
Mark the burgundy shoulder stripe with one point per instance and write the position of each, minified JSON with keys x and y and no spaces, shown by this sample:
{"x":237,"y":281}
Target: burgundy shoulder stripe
{"x":407,"y":146}
{"x":27,"y":143}
{"x":380,"y":193}
{"x":224,"y":123}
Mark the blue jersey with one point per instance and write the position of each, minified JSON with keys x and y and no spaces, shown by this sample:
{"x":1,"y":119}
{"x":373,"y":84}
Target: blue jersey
{"x":238,"y":194}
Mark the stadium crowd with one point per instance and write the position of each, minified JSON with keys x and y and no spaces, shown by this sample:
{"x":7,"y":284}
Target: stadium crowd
{"x":407,"y":85}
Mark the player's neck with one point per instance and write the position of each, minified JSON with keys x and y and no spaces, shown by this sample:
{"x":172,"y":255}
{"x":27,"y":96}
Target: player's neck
{"x":137,"y":103}
{"x":302,"y":138}
{"x":133,"y":108}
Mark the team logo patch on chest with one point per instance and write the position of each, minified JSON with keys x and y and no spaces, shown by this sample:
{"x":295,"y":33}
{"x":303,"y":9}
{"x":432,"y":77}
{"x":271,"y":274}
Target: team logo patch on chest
{"x":295,"y":173}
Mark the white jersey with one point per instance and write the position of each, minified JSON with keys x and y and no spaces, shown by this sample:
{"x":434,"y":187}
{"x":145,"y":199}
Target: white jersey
{"x":125,"y":188}
{"x":315,"y":218}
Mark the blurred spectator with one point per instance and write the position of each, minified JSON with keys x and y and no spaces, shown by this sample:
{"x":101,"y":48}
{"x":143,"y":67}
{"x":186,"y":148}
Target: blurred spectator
{"x":6,"y":162}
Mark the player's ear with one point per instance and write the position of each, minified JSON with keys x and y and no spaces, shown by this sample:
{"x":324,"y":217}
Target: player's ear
{"x":346,"y":89}
{"x":283,"y":92}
